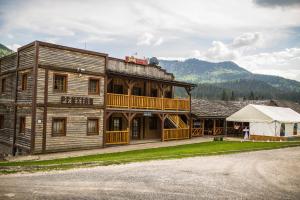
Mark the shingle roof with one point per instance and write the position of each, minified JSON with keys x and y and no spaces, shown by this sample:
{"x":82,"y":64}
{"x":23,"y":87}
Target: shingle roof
{"x":218,"y":108}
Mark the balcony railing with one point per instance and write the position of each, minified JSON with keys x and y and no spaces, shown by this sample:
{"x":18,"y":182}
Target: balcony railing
{"x":144,"y":102}
{"x":196,"y":132}
{"x":175,"y":134}
{"x":117,"y":137}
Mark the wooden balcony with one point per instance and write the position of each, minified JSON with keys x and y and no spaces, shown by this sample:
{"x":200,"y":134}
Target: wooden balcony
{"x":145,"y":102}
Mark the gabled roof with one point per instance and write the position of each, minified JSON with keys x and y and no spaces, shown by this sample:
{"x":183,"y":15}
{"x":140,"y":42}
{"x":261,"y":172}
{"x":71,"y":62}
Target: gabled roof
{"x":262,"y":113}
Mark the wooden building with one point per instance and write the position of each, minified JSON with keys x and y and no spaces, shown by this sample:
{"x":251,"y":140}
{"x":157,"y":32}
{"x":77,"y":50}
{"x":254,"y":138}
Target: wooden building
{"x":209,"y":116}
{"x":56,"y":98}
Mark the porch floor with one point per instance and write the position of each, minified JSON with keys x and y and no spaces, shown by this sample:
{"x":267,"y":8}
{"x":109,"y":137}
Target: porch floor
{"x":137,"y":144}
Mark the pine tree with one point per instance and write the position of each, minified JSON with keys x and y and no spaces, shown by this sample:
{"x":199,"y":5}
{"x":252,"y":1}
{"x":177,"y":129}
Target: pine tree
{"x":224,"y":96}
{"x":232,"y":98}
{"x":251,"y":97}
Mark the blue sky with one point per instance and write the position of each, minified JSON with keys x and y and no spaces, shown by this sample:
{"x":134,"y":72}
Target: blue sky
{"x":263,"y":36}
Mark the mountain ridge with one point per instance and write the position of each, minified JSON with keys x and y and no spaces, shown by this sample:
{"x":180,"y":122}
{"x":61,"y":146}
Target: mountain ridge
{"x":220,"y":75}
{"x":4,"y":50}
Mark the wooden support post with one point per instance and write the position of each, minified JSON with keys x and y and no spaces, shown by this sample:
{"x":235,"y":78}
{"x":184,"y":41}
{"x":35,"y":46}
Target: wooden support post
{"x":130,"y":84}
{"x":225,"y":127}
{"x":203,"y":126}
{"x":214,"y":130}
{"x":162,"y":119}
{"x":190,"y":115}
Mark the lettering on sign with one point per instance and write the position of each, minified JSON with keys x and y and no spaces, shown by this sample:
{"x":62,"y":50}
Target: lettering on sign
{"x":76,"y":100}
{"x":147,"y":114}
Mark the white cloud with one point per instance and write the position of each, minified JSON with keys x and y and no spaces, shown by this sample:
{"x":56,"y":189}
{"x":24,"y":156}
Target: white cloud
{"x":247,"y":39}
{"x":220,"y":51}
{"x":232,"y":51}
{"x":284,"y":63}
{"x":14,"y":47}
{"x":145,"y":39}
{"x":149,"y":39}
{"x":240,"y":30}
{"x":159,"y":41}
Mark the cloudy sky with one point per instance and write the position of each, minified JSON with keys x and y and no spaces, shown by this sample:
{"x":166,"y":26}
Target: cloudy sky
{"x":263,"y":36}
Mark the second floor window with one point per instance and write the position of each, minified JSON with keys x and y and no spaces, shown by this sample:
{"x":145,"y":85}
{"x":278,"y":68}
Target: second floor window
{"x":3,"y":85}
{"x":60,"y":83}
{"x":118,"y":89}
{"x":94,"y":86}
{"x":22,"y":125}
{"x":24,"y":81}
{"x":153,"y":92}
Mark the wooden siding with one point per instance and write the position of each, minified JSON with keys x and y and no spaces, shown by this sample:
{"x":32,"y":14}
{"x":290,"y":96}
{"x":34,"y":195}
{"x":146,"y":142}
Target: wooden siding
{"x":8,"y":95}
{"x":129,"y":68}
{"x":76,"y":86}
{"x":25,"y":96}
{"x":23,"y":140}
{"x":49,"y":56}
{"x":6,"y":134}
{"x":76,"y":134}
{"x":40,"y":85}
{"x":8,"y":63}
{"x":26,"y":57}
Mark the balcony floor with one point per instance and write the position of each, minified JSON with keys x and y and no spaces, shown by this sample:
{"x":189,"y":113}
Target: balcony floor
{"x":146,"y":110}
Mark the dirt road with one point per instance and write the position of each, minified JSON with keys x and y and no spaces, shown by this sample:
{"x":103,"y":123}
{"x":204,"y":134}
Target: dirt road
{"x":273,"y":174}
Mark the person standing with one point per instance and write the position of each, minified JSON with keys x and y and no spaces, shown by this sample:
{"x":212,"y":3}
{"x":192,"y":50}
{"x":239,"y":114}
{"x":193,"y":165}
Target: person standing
{"x":246,"y":133}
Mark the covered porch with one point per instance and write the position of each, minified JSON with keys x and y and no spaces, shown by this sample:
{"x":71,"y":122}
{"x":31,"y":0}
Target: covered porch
{"x":138,"y":127}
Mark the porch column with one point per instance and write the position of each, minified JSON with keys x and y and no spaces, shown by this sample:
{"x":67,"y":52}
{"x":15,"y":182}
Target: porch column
{"x":214,"y":130}
{"x":106,"y":118}
{"x":162,"y":119}
{"x":130,"y":84}
{"x":225,"y":127}
{"x":203,"y":128}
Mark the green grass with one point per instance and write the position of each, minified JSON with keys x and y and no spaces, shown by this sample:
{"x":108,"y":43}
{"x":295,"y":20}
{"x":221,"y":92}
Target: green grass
{"x":188,"y":150}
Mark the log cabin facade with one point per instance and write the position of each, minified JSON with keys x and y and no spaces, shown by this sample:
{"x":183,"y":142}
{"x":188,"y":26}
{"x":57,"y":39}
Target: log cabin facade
{"x":57,"y":98}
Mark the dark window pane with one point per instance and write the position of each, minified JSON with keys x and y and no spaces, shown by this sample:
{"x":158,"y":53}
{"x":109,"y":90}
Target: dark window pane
{"x":93,"y":126}
{"x":60,"y":83}
{"x":59,"y":127}
{"x":94,"y":86}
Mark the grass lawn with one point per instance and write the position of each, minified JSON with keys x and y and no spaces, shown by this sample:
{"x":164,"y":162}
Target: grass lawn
{"x":188,"y":150}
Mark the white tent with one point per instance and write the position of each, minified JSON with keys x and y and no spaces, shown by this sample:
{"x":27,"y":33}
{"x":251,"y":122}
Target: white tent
{"x":268,"y":120}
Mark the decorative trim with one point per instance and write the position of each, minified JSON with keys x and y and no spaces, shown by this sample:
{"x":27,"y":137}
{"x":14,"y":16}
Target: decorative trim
{"x":63,"y":69}
{"x":34,"y":95}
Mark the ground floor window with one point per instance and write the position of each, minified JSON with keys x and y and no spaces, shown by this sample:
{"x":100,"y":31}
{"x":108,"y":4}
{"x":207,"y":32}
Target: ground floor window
{"x":282,"y":130}
{"x":59,"y":126}
{"x":22,"y":125}
{"x":93,"y":126}
{"x":116,"y":124}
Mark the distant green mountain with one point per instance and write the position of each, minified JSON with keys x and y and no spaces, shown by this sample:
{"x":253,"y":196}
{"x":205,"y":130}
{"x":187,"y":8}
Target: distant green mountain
{"x":4,"y":50}
{"x":215,"y":79}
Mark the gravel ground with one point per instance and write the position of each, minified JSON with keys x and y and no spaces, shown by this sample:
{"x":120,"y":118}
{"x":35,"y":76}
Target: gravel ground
{"x":272,"y":174}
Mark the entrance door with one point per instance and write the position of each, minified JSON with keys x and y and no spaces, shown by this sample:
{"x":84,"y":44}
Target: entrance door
{"x":282,"y":129}
{"x":136,"y":123}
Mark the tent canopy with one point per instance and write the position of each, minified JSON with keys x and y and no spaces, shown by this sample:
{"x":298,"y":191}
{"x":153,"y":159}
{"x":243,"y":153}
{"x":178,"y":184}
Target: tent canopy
{"x":261,"y":113}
